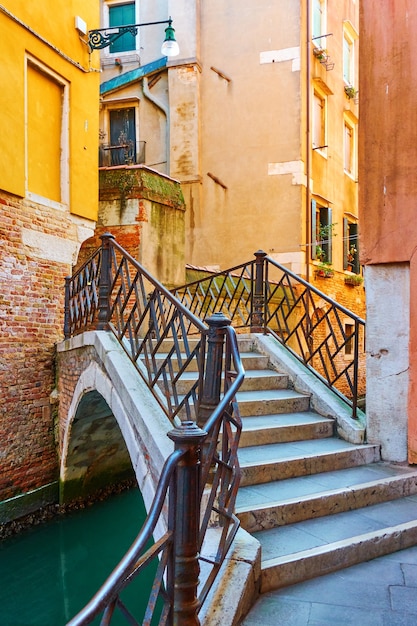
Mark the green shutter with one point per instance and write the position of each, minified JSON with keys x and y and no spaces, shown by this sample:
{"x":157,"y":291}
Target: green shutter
{"x":345,"y":242}
{"x":122,"y":15}
{"x":329,"y":248}
{"x":313,"y":230}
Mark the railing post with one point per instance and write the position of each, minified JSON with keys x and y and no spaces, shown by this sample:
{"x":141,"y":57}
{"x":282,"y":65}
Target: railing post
{"x":258,"y":298}
{"x":185,"y":512}
{"x":355,"y":372}
{"x":210,"y":396}
{"x":67,"y":320}
{"x":104,"y":285}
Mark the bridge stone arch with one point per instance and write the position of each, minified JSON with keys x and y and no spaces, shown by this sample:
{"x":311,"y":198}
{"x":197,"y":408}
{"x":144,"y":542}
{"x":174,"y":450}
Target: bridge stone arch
{"x":109,"y":422}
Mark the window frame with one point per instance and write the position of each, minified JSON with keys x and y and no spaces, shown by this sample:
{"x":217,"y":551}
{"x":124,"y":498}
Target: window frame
{"x":350,"y":123}
{"x":63,"y":204}
{"x":107,"y":5}
{"x":318,"y":36}
{"x":118,"y":105}
{"x":350,"y":35}
{"x":319,"y":144}
{"x":350,"y":238}
{"x":321,"y":215}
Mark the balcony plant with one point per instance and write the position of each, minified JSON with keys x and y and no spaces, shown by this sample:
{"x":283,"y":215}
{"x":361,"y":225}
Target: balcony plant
{"x":350,"y":91}
{"x":351,"y":257}
{"x":321,"y":54}
{"x":355,"y":280}
{"x":324,"y":270}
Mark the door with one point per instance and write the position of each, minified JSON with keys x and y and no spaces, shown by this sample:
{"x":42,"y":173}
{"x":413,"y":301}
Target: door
{"x":123,"y":136}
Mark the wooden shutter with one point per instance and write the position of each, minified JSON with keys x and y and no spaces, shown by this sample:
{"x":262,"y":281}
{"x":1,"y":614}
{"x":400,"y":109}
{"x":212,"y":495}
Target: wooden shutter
{"x":122,"y":15}
{"x":313,"y":229}
{"x":346,"y":242}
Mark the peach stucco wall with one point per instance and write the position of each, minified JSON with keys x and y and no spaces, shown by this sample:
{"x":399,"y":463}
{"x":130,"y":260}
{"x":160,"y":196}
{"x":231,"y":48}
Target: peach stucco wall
{"x":388,"y":157}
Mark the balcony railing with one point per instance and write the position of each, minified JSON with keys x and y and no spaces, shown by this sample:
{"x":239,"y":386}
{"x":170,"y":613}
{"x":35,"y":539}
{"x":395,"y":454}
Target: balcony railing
{"x":129,"y":153}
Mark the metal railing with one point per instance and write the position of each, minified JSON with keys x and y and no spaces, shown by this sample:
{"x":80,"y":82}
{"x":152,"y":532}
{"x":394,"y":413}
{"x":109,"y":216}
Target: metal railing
{"x":195,"y":382}
{"x":266,"y":297}
{"x":128,"y":153}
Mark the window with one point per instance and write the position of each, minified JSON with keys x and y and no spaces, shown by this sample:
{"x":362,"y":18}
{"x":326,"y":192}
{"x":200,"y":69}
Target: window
{"x":349,"y":37}
{"x":319,"y":22}
{"x":322,"y":232}
{"x":348,"y":149}
{"x":350,"y":246}
{"x":347,"y":60}
{"x":122,"y":15}
{"x":349,"y":145}
{"x":319,"y":121}
{"x":47,"y":143}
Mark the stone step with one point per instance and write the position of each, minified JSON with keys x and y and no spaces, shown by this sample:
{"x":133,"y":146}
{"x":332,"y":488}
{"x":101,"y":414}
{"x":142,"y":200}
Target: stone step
{"x":255,"y":380}
{"x":250,"y":360}
{"x":268,"y":402}
{"x":262,"y":464}
{"x":245,"y":344}
{"x":284,"y":427}
{"x":279,"y":503}
{"x":301,"y":551}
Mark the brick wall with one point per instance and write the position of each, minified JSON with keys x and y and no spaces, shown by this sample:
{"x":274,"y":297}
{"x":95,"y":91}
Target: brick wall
{"x":353,"y":299}
{"x":31,"y":322}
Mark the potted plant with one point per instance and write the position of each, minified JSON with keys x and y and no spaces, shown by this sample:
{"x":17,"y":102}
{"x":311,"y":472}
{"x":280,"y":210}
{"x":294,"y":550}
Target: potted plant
{"x":321,"y":54}
{"x":350,"y":91}
{"x":324,"y":234}
{"x":324,"y":270}
{"x":351,"y":257}
{"x":354,"y":280}
{"x":320,"y":253}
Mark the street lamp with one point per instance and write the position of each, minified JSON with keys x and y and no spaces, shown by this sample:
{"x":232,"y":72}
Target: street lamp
{"x":100,"y":38}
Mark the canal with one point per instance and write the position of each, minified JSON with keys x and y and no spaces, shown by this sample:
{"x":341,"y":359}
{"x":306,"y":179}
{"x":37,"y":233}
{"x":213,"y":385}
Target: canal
{"x":49,"y":572}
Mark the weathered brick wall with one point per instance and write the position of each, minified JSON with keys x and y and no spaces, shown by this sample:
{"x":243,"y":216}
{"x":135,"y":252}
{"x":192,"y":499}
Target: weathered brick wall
{"x":127,"y":236}
{"x":70,"y":366}
{"x":31,"y":322}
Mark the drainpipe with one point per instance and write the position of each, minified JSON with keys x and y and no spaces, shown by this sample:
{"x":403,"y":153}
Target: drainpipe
{"x":165,"y":111}
{"x":308,"y":143}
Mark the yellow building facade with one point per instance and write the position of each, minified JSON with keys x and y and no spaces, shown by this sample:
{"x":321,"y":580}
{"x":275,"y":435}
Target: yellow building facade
{"x":49,"y":120}
{"x":49,"y":101}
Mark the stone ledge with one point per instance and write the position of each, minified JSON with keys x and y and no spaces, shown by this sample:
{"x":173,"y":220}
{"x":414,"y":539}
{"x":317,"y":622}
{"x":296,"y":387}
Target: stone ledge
{"x":236,"y":587}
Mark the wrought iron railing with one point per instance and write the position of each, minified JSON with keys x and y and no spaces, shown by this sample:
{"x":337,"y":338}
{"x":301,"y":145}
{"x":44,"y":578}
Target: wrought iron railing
{"x":195,"y":382}
{"x":127,"y":153}
{"x":266,"y":297}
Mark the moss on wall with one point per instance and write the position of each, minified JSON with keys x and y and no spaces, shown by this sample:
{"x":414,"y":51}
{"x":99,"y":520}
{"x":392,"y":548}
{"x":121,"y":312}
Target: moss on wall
{"x":142,"y":183}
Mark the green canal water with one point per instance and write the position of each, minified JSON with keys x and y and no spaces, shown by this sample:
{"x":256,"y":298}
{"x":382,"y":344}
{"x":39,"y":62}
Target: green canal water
{"x":49,"y":572}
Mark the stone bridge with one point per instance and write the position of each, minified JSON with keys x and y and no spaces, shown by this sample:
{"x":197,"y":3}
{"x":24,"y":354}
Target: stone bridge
{"x":110,"y":425}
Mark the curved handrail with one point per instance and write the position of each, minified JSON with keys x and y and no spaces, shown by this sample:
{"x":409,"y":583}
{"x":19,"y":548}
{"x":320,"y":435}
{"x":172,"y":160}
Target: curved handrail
{"x":119,"y":575}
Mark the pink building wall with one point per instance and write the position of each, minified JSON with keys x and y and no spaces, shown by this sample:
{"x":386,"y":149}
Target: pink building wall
{"x":388,"y":211}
